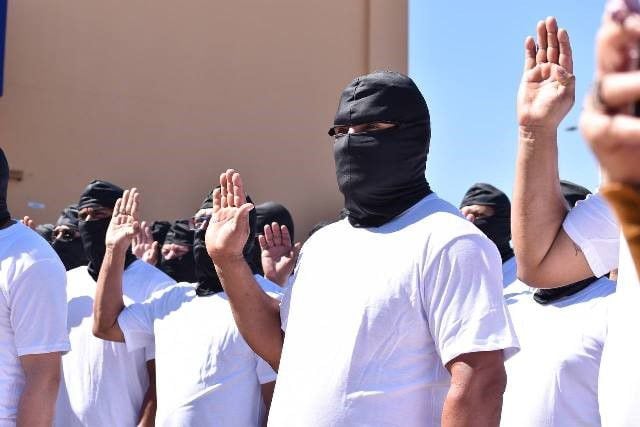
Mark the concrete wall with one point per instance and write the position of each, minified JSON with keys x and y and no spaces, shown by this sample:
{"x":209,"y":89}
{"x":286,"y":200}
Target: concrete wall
{"x":164,"y":95}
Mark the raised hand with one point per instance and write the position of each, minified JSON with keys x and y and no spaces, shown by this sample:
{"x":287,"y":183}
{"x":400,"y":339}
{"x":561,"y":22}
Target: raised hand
{"x":228,"y":227}
{"x":124,"y":225}
{"x":28,"y":222}
{"x":547,"y":89}
{"x":143,"y":246}
{"x":278,"y":256}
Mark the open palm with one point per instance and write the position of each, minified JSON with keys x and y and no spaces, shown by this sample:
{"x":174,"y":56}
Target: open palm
{"x":278,"y":255}
{"x":124,"y":223}
{"x":547,"y":89}
{"x":228,"y":229}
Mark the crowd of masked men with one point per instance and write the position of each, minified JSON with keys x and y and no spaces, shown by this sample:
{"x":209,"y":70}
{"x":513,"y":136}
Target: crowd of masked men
{"x":403,"y":310}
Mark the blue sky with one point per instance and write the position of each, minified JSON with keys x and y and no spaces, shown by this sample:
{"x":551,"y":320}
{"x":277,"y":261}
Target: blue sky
{"x":466,"y":57}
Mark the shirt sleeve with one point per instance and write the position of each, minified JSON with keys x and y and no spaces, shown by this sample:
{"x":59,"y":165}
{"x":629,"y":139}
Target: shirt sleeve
{"x":592,"y":226}
{"x":136,"y":323}
{"x":38,"y":305}
{"x":265,"y":373}
{"x":463,"y":300}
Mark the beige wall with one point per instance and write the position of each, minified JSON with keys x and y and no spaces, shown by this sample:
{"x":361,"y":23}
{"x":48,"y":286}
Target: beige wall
{"x":164,"y":95}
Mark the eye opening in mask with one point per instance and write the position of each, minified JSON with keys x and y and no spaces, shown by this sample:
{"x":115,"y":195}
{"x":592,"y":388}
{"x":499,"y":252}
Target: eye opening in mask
{"x":65,"y":234}
{"x":363,"y":128}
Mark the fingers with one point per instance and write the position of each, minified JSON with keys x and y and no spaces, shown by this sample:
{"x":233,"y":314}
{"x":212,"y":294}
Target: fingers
{"x":610,"y":132}
{"x":541,"y":55}
{"x":263,"y":242}
{"x":217,"y":200}
{"x":296,"y":249}
{"x":529,"y":53}
{"x":620,"y":89}
{"x":148,"y":234}
{"x":277,"y":234}
{"x":223,"y":190}
{"x":135,"y":203}
{"x":116,"y":208}
{"x":239,"y":196}
{"x":286,"y":237}
{"x":566,"y":54}
{"x":553,"y":49}
{"x":230,"y":192}
{"x":268,"y":236}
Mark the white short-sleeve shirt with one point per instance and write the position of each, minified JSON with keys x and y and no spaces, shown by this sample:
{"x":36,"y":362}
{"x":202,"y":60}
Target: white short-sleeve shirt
{"x":374,"y":315}
{"x":553,"y":380}
{"x":103,"y":383}
{"x":206,"y":374}
{"x":33,"y":309}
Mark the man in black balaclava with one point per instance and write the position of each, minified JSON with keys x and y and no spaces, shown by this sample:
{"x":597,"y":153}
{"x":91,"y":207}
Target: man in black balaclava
{"x":33,"y":329}
{"x":490,"y":210}
{"x":108,"y":384}
{"x":208,"y":281}
{"x":206,"y":370}
{"x":176,"y":254}
{"x":66,"y":239}
{"x":404,"y":281}
{"x":266,"y":214}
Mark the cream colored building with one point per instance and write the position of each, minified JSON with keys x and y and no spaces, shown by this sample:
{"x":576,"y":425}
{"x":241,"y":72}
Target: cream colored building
{"x":164,"y":95}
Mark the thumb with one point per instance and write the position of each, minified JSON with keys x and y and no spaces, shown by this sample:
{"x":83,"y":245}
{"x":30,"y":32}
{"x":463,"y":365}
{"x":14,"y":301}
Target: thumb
{"x":296,"y":249}
{"x":242,"y":214}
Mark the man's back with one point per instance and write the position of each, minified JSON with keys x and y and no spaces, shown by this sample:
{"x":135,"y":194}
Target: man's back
{"x":373,"y":316}
{"x":33,"y":309}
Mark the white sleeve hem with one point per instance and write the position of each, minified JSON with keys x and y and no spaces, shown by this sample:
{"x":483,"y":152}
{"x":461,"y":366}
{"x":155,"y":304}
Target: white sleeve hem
{"x":61,"y":347}
{"x":509,"y":349}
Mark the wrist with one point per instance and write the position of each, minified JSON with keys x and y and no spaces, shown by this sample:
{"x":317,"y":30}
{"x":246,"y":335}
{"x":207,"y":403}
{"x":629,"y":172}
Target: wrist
{"x":227,"y":260}
{"x":537,"y":132}
{"x":115,"y":250}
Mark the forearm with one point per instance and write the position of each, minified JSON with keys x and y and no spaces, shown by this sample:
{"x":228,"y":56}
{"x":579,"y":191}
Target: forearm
{"x":150,"y":403}
{"x":37,"y":403}
{"x":109,"y":303}
{"x":257,"y":315}
{"x":538,"y":208}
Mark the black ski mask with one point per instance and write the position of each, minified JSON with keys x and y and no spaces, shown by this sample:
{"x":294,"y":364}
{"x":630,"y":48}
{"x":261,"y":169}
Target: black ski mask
{"x":496,"y":227}
{"x":70,"y":249}
{"x":267,"y":213}
{"x":572,"y":194}
{"x":208,"y":280}
{"x":98,"y":194}
{"x":180,"y":269}
{"x":4,"y":188}
{"x":382,"y":173}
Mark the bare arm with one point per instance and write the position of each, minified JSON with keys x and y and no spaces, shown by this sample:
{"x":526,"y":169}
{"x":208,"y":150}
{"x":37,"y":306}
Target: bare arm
{"x":267,"y":395}
{"x":109,"y":303}
{"x":150,"y":403}
{"x":42,"y":379}
{"x":478,"y":381}
{"x":545,"y":255}
{"x":257,"y":315}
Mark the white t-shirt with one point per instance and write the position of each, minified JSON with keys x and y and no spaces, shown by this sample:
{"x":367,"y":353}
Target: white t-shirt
{"x":553,"y":380}
{"x":373,"y":315}
{"x":33,"y":309}
{"x":591,"y":225}
{"x":509,"y":271}
{"x":206,"y":374}
{"x":103,"y":383}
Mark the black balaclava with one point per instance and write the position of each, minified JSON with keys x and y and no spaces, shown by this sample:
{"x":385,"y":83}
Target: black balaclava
{"x":572,"y":194}
{"x":208,"y":280}
{"x":381,"y":174}
{"x":180,"y":269}
{"x":4,"y":187}
{"x":496,"y":227}
{"x":159,"y":231}
{"x":98,"y":194}
{"x":70,"y":251}
{"x":45,"y":231}
{"x":266,"y":213}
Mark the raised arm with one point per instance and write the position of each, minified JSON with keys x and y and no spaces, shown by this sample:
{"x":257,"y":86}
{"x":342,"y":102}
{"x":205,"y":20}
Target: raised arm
{"x":109,"y":303}
{"x":257,"y":315}
{"x":545,"y":255}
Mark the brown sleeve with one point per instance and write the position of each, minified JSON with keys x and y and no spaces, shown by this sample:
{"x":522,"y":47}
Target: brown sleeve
{"x":625,"y":201}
